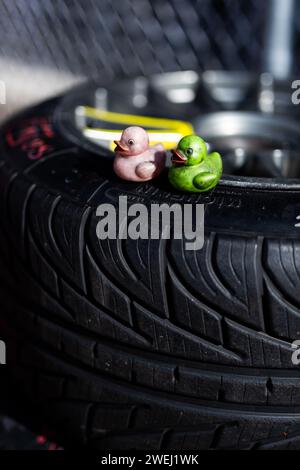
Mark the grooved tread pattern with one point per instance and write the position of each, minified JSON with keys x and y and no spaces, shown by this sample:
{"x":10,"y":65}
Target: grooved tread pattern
{"x":141,"y":344}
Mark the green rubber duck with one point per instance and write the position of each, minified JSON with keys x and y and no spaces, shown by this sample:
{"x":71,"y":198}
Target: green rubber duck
{"x":192,"y":169}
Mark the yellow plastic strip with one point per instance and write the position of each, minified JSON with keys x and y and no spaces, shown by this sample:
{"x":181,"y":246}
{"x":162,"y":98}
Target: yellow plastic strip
{"x":181,"y":127}
{"x":167,"y":138}
{"x":160,"y":130}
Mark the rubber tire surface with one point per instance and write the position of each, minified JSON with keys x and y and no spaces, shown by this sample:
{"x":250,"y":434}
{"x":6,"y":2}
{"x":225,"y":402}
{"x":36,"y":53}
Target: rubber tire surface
{"x":126,"y":344}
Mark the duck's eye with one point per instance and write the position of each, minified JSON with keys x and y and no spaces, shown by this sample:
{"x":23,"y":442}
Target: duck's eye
{"x":130,"y":141}
{"x":189,"y":151}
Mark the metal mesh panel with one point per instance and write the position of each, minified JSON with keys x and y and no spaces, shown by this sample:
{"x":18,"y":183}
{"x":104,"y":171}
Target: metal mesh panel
{"x":48,"y":45}
{"x":132,"y":36}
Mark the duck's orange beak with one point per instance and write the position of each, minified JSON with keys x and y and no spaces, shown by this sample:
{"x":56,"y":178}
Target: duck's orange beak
{"x":120,"y":147}
{"x":178,"y":158}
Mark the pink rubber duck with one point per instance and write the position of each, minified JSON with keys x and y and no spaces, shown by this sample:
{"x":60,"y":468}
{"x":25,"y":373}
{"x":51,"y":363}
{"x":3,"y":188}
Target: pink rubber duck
{"x":135,"y":160}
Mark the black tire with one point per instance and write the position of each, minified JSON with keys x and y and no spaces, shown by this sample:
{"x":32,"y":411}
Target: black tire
{"x":145,"y":345}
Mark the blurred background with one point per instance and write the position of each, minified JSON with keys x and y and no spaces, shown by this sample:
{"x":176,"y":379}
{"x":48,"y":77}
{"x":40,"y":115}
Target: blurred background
{"x":48,"y":46}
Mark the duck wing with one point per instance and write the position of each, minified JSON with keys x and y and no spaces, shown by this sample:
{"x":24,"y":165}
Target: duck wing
{"x":145,"y":170}
{"x":204,"y":180}
{"x":210,"y":176}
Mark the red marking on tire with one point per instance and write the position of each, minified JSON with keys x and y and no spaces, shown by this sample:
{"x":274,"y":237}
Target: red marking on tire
{"x":32,"y":139}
